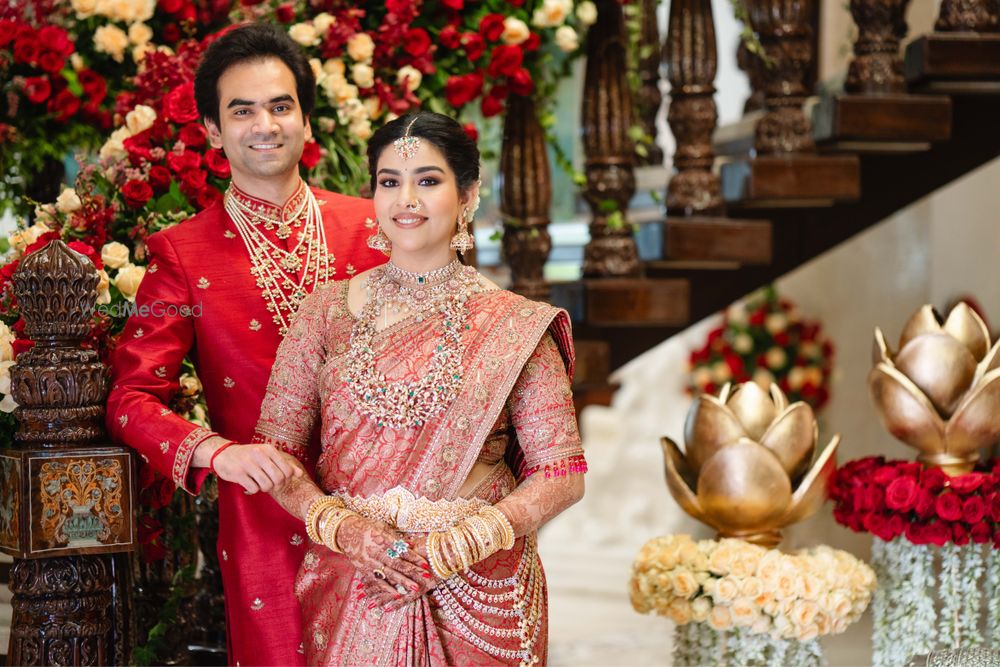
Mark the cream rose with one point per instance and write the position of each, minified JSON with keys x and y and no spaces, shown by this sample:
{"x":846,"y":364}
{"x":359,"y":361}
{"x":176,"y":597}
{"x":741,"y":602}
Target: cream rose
{"x":751,"y":587}
{"x":190,"y":384}
{"x":111,"y":40}
{"x":804,"y":613}
{"x":586,"y":13}
{"x":6,"y":343}
{"x":721,"y":373}
{"x":745,"y":612}
{"x":68,"y":201}
{"x":566,"y":39}
{"x":103,"y":290}
{"x":552,"y":13}
{"x":786,"y":587}
{"x":322,"y":22}
{"x":374,"y":106}
{"x":720,"y":617}
{"x":140,"y":118}
{"x":360,"y":47}
{"x":139,"y":34}
{"x":515,"y":31}
{"x":726,"y":590}
{"x":363,"y":75}
{"x":796,"y":378}
{"x":76,"y":62}
{"x":5,"y":375}
{"x":128,"y":278}
{"x":84,"y":8}
{"x":775,"y":323}
{"x":700,"y":609}
{"x":701,"y":376}
{"x":113,"y":148}
{"x":362,"y":129}
{"x":742,"y":343}
{"x":335,"y":67}
{"x":22,"y":239}
{"x":304,"y":33}
{"x":115,"y":255}
{"x":411,"y":75}
{"x":683,"y":583}
{"x":775,"y":358}
{"x":679,"y":611}
{"x":317,"y":69}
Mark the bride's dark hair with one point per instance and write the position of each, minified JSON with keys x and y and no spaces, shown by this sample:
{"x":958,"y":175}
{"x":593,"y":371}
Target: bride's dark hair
{"x":459,"y":150}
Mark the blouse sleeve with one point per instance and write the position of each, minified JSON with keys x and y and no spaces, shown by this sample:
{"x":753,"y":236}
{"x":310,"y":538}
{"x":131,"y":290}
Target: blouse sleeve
{"x":291,"y":401}
{"x":542,"y":414}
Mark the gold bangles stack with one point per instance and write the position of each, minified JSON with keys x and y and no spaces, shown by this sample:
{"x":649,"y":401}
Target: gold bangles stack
{"x":469,"y":541}
{"x":323,"y":518}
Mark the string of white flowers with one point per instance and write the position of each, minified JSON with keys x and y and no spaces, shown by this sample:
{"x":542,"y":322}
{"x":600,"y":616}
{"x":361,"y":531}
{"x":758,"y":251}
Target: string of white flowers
{"x":686,"y":645}
{"x":903,"y":608}
{"x":699,"y":644}
{"x":972,"y":572}
{"x":993,"y":586}
{"x":949,"y":591}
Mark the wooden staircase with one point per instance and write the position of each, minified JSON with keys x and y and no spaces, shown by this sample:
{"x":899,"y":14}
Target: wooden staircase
{"x":869,"y":153}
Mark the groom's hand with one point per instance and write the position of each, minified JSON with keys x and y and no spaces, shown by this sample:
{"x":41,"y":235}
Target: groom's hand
{"x":259,"y":467}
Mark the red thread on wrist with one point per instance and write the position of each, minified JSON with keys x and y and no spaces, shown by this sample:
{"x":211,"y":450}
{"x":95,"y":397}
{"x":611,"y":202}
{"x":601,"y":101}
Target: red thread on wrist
{"x":211,"y":461}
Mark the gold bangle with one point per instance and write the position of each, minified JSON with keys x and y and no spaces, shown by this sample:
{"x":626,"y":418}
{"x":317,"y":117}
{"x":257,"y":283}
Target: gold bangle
{"x":316,"y":508}
{"x":506,"y":534}
{"x":337,"y":517}
{"x":436,"y":556}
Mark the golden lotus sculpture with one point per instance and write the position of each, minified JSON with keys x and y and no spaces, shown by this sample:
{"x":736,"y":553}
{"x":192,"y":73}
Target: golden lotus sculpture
{"x":940,"y":392}
{"x":747,"y":469}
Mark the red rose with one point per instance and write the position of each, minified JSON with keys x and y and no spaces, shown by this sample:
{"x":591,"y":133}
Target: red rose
{"x":51,"y":62}
{"x":159,"y":178}
{"x":179,"y":105}
{"x":521,"y":84}
{"x":416,"y":42}
{"x":37,"y":89}
{"x":456,"y":5}
{"x":883,"y":476}
{"x":475,"y":46}
{"x":64,"y":105}
{"x":981,"y":533}
{"x":973,"y":510}
{"x":471,"y":131}
{"x":896,"y":525}
{"x":193,"y":181}
{"x":7,"y":31}
{"x":910,"y":468}
{"x":193,"y":135}
{"x":504,"y":61}
{"x":311,"y":155}
{"x":901,"y":493}
{"x":491,"y":27}
{"x":491,"y":106}
{"x":94,"y":85}
{"x":41,"y":242}
{"x":967,"y":483}
{"x":182,"y":162}
{"x":217,"y":163}
{"x":460,"y":90}
{"x":515,"y":3}
{"x":138,"y":148}
{"x":137,"y":193}
{"x":924,"y":506}
{"x":171,"y":33}
{"x":449,"y":37}
{"x":285,"y":13}
{"x":26,"y":50}
{"x":993,"y":506}
{"x":88,"y":252}
{"x":948,"y":507}
{"x":959,"y":534}
{"x":207,"y":197}
{"x":938,"y":533}
{"x":20,"y":345}
{"x":933,"y":479}
{"x":56,"y":40}
{"x":171,"y":6}
{"x":532,"y":43}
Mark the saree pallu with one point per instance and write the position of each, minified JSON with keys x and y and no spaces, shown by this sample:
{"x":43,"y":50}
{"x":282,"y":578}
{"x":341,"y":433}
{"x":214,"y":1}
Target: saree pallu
{"x":513,"y":411}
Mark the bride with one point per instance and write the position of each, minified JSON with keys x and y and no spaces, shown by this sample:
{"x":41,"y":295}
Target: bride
{"x":447,"y":430}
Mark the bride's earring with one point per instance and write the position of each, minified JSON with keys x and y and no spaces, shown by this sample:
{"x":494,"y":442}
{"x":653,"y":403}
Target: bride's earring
{"x":463,"y":241}
{"x":378,"y":240}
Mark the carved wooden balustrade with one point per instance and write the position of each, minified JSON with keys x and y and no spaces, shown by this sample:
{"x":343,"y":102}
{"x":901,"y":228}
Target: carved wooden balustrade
{"x":67,"y":498}
{"x":648,"y":97}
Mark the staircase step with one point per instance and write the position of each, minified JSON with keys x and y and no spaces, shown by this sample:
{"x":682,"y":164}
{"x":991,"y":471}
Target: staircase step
{"x":593,"y":362}
{"x":717,"y":239}
{"x":955,"y":62}
{"x":794,"y":180}
{"x":624,"y":302}
{"x":881,"y":123}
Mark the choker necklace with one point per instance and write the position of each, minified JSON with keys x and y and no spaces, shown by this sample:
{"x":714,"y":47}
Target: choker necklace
{"x":406,"y":403}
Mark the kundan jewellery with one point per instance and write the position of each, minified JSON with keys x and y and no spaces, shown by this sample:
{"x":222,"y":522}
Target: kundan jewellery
{"x":283,"y":275}
{"x":441,"y":293}
{"x":378,"y":240}
{"x":407,"y":146}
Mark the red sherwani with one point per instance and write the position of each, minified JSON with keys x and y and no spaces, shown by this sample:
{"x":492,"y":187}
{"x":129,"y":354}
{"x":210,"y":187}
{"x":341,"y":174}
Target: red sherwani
{"x":232,"y":341}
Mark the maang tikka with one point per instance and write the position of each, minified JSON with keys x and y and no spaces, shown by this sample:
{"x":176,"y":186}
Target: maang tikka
{"x":407,"y":145}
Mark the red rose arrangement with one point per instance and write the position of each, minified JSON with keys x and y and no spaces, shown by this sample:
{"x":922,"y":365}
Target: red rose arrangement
{"x":764,"y":339}
{"x":890,"y":499}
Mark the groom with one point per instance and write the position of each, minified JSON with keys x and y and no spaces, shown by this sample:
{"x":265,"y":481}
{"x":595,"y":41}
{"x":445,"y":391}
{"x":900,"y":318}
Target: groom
{"x":247,"y":263}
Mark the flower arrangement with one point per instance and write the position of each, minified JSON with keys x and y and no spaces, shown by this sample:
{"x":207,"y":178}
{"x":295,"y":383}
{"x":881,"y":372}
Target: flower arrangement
{"x":765,"y":339}
{"x":922,"y":504}
{"x":730,"y":583}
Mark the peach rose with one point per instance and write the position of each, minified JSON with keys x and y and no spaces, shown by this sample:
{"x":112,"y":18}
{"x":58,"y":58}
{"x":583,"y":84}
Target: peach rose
{"x":683,"y":583}
{"x":720,"y":618}
{"x":701,"y":607}
{"x":726,"y":590}
{"x":744,"y":612}
{"x":679,"y":611}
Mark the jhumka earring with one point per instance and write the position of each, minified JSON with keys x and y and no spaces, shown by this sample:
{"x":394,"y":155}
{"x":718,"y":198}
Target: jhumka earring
{"x":378,"y":240}
{"x":463,"y":241}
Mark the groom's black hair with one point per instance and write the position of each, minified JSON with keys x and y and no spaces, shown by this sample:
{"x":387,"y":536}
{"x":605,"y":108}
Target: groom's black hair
{"x":247,"y":43}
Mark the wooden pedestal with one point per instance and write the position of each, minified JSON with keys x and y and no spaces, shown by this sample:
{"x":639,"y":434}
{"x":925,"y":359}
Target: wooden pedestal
{"x":795,"y":179}
{"x":625,"y":302}
{"x":713,"y":239}
{"x":955,"y":62}
{"x":881,"y":123}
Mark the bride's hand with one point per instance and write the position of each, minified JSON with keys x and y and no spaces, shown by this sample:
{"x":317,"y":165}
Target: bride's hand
{"x":377,"y":592}
{"x":368,"y":544}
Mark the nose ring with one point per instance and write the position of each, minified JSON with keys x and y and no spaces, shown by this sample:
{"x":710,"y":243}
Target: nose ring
{"x":414,"y":207}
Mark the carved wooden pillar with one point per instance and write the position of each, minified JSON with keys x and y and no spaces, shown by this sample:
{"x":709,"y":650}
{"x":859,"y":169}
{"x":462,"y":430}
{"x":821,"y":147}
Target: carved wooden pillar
{"x":66,"y":502}
{"x":525,"y":197}
{"x":649,"y":98}
{"x":691,"y":65}
{"x":753,"y":66}
{"x":784,"y":32}
{"x":877,"y":67}
{"x":968,"y":16}
{"x":607,"y":115}
{"x":962,"y":55}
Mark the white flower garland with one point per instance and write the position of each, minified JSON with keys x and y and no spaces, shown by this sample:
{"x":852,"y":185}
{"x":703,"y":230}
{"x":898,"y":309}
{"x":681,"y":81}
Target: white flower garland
{"x":699,"y":644}
{"x":993,"y":589}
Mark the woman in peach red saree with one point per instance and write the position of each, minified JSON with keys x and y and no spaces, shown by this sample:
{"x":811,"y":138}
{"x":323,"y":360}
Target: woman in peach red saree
{"x":447,"y":429}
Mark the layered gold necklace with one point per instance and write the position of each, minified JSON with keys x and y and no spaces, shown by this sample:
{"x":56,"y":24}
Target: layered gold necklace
{"x":440,"y":293}
{"x":275,"y":269}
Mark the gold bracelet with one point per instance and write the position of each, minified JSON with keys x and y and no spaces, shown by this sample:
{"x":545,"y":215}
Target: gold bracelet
{"x":436,"y":556}
{"x":506,"y":531}
{"x":335,"y":519}
{"x":316,"y":508}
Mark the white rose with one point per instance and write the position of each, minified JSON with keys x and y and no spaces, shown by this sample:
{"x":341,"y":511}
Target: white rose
{"x":304,"y":33}
{"x":796,"y":378}
{"x":76,"y":61}
{"x":552,"y":13}
{"x":128,"y":278}
{"x":322,"y":22}
{"x":84,"y":8}
{"x":742,"y":343}
{"x":515,"y":31}
{"x":775,"y":358}
{"x":335,"y":67}
{"x":139,"y":33}
{"x":113,"y":148}
{"x":190,"y":385}
{"x":103,"y":291}
{"x":775,"y":322}
{"x":8,"y":404}
{"x":140,"y":119}
{"x":763,"y":378}
{"x":68,"y":201}
{"x":139,"y":52}
{"x":115,"y":255}
{"x":567,"y":39}
{"x":360,"y":47}
{"x":374,"y":106}
{"x":363,"y":75}
{"x":111,"y":40}
{"x":5,"y":375}
{"x":22,"y":239}
{"x":362,"y":129}
{"x":317,"y":68}
{"x":411,"y":75}
{"x":345,"y":92}
{"x":700,"y":609}
{"x":721,"y":373}
{"x":6,"y":344}
{"x":586,"y":13}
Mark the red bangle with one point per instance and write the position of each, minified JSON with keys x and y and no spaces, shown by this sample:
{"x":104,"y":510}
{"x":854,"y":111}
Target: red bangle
{"x":211,"y":461}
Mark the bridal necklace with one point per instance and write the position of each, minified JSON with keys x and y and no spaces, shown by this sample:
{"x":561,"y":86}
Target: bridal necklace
{"x":277,"y":270}
{"x":440,"y":293}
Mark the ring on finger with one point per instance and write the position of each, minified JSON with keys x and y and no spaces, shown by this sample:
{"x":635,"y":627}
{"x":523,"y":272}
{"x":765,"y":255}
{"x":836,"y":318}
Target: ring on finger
{"x":401,"y":589}
{"x":379,"y":573}
{"x":398,"y":548}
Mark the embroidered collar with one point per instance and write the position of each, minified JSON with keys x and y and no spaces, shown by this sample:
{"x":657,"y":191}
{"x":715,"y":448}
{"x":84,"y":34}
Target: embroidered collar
{"x":264,"y":212}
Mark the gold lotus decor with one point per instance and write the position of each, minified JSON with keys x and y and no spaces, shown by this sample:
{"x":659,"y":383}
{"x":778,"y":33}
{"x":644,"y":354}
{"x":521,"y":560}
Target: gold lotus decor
{"x":940,"y":392}
{"x":745,"y":470}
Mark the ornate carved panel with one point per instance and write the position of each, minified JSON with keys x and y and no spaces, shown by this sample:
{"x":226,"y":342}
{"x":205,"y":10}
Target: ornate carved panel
{"x":10,"y":503}
{"x":877,"y":66}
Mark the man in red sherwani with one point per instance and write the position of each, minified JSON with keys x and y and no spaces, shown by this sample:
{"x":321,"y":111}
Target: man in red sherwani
{"x":222,"y":288}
